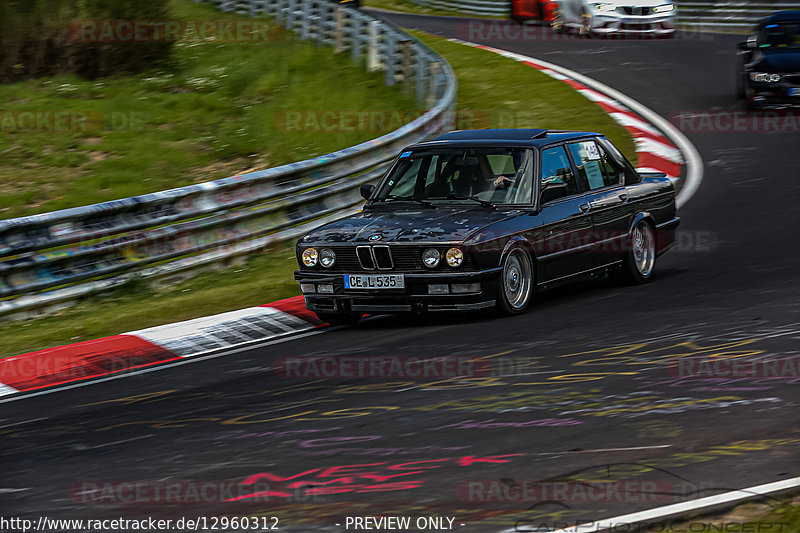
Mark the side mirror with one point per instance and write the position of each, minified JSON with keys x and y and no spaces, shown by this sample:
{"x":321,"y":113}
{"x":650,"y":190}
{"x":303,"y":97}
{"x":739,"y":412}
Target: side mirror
{"x":552,"y":192}
{"x":746,"y":46}
{"x":366,"y":190}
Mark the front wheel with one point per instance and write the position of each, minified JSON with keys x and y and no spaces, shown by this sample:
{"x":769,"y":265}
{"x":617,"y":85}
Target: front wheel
{"x":640,"y":256}
{"x":515,"y":286}
{"x":557,"y":24}
{"x":339,"y":319}
{"x":740,"y":92}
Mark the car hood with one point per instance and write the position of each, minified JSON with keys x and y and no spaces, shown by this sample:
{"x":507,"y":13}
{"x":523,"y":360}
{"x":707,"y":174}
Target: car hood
{"x":779,"y":61}
{"x":422,"y":225}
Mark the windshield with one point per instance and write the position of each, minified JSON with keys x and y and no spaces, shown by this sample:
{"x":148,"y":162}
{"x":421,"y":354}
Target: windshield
{"x":785,"y":35}
{"x":494,"y":175}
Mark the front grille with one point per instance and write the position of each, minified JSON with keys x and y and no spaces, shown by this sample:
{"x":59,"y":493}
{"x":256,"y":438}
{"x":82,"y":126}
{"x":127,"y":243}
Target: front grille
{"x":794,"y":79}
{"x":375,"y":257}
{"x":383,"y":257}
{"x":632,"y":10}
{"x":365,"y":257}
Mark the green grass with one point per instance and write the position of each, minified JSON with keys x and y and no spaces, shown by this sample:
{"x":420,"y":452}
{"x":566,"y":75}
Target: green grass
{"x":496,"y":92}
{"x":775,"y":515}
{"x":217,"y":110}
{"x":493,"y":92}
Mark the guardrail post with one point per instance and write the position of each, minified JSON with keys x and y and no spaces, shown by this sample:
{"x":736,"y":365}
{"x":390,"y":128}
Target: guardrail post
{"x":419,"y":75}
{"x":338,"y":39}
{"x":405,"y":65}
{"x":390,"y":57}
{"x":306,"y":20}
{"x":355,"y":37}
{"x":434,"y":70}
{"x":373,"y":61}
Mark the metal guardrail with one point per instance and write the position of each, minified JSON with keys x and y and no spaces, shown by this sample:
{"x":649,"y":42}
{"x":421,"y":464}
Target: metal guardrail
{"x":736,"y":16}
{"x":498,"y":8}
{"x":51,"y":259}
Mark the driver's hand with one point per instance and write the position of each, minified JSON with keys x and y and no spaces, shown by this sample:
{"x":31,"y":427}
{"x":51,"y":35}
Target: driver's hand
{"x":502,"y":181}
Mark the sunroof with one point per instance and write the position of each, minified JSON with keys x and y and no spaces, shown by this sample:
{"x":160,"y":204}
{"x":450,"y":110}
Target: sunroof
{"x":511,"y":134}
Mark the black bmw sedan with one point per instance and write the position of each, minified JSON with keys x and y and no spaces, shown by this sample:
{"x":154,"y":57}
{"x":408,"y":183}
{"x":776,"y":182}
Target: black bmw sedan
{"x":769,"y":67}
{"x":485,"y":218}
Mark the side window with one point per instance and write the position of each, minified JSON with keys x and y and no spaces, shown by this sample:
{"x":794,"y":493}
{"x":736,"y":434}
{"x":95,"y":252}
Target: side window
{"x":596,"y":169}
{"x":404,"y":186}
{"x":434,"y":170}
{"x":556,"y":169}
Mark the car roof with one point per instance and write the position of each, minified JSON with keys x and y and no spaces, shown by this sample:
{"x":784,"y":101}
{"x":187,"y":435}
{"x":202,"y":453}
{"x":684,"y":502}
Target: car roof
{"x":503,"y":137}
{"x":784,"y":16}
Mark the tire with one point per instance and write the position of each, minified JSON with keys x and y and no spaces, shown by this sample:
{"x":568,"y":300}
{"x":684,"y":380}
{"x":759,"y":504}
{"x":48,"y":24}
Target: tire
{"x":515,"y":286}
{"x":557,"y":24}
{"x":640,"y":257}
{"x":740,"y":86}
{"x":339,"y":319}
{"x":585,"y":29}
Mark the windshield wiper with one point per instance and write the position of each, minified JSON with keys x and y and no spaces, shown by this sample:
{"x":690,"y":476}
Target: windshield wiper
{"x":408,"y":198}
{"x":452,"y":196}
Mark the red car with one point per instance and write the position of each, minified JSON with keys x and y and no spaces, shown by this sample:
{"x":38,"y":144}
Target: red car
{"x":544,"y":10}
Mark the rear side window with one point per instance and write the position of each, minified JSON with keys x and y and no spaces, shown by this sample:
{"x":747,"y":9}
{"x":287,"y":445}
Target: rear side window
{"x":556,"y":169}
{"x":596,"y":169}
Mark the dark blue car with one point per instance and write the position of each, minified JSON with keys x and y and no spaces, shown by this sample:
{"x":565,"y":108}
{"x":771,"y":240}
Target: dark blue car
{"x":769,"y":70}
{"x":484,"y":218}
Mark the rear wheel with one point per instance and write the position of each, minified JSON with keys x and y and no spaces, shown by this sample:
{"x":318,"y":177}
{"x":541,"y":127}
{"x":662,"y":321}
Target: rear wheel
{"x":640,"y":256}
{"x":740,"y":86}
{"x":557,"y":24}
{"x":339,"y":319}
{"x":515,"y":286}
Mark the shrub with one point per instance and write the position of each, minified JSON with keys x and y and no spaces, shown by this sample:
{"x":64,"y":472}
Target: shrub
{"x":38,"y":38}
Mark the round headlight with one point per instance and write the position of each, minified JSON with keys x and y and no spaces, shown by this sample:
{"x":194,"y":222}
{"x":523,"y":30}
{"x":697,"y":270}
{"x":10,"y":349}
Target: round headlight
{"x":431,"y":257}
{"x":765,"y":77}
{"x":310,"y":257}
{"x":454,"y":257}
{"x":326,"y":257}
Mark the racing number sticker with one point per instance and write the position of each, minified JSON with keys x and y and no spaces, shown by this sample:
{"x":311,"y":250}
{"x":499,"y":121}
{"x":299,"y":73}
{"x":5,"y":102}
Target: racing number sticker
{"x":591,"y":151}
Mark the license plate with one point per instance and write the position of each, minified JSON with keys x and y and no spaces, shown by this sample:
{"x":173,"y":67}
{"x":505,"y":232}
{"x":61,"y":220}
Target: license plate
{"x":374,"y":281}
{"x":794,"y":91}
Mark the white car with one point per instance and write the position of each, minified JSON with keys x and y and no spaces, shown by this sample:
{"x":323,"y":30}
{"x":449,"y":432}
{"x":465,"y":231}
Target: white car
{"x":634,"y":17}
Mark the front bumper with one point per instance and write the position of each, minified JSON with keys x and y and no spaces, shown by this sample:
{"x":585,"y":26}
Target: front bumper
{"x":413,"y":298}
{"x":773,"y":95}
{"x":607,"y":24}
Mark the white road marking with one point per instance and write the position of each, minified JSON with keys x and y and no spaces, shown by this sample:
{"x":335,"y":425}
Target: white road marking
{"x":660,"y":513}
{"x":5,"y":389}
{"x":647,"y":144}
{"x":603,"y":450}
{"x":80,"y":447}
{"x":23,"y":422}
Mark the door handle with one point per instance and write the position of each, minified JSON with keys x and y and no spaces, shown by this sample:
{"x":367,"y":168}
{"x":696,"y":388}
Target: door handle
{"x":623,"y":197}
{"x":585,"y":207}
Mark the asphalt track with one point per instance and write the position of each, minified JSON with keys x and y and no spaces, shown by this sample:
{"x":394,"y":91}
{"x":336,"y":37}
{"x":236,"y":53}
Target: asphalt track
{"x":579,"y":389}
